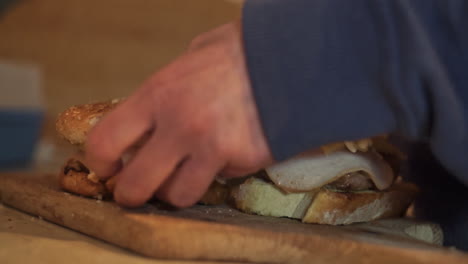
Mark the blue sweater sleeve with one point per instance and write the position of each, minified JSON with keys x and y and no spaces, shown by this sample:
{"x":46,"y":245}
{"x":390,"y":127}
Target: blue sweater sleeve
{"x":332,"y":70}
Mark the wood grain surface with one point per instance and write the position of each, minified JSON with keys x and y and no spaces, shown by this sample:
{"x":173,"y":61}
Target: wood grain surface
{"x":29,"y":239}
{"x":216,"y":233}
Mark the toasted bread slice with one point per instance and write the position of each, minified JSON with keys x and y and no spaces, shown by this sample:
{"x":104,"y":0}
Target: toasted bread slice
{"x":323,"y":206}
{"x":342,"y":208}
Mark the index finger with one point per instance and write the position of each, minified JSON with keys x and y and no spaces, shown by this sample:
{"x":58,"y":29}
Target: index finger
{"x":116,"y":133}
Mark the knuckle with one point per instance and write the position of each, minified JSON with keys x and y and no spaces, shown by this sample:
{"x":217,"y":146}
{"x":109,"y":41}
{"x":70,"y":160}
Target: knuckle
{"x":101,"y":157}
{"x":154,"y":93}
{"x":99,"y":146}
{"x":198,"y":41}
{"x":223,"y":149}
{"x":200,"y":125}
{"x":197,"y":127}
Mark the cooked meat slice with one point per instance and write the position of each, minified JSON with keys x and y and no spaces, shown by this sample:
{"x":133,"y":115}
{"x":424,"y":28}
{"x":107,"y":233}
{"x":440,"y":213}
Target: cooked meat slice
{"x":356,"y":181}
{"x":75,"y":177}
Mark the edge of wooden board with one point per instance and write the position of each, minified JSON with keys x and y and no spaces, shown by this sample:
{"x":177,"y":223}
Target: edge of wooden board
{"x":153,"y":235}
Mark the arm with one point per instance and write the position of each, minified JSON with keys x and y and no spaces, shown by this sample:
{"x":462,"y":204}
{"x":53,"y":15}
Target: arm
{"x":330,"y":70}
{"x":193,"y":119}
{"x":311,"y":83}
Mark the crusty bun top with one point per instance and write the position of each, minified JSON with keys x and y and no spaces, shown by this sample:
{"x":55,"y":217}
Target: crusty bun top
{"x":74,"y":123}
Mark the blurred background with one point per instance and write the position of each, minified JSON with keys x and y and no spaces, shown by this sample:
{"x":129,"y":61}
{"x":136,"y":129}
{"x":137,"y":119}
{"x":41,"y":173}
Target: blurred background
{"x":58,"y":53}
{"x":91,"y":50}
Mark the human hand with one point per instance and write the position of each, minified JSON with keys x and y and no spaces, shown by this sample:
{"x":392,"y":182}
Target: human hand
{"x":200,"y":119}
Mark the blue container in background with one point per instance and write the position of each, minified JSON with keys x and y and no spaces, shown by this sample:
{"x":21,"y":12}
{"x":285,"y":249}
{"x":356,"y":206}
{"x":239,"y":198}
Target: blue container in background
{"x":19,"y":134}
{"x":21,"y":113}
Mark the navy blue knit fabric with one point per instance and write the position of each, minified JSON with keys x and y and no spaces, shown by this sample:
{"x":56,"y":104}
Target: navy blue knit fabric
{"x":331,"y":70}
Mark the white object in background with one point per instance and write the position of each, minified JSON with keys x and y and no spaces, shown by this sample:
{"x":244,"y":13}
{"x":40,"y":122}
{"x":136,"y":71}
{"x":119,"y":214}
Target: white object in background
{"x":20,"y":86}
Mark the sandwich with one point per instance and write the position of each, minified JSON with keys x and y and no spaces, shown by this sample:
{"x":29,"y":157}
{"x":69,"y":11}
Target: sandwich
{"x":337,"y":184}
{"x":73,"y":125}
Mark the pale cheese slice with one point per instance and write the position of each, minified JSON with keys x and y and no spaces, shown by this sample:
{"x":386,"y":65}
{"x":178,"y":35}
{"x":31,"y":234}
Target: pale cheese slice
{"x":308,"y":172}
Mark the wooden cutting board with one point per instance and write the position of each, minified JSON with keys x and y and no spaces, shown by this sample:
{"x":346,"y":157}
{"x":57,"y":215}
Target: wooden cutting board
{"x":222,"y":233}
